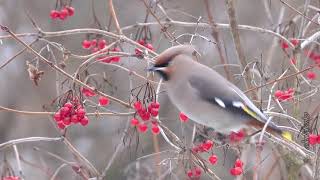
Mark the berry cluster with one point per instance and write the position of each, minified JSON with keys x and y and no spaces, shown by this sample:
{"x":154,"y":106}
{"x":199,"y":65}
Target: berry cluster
{"x":203,"y":147}
{"x":315,"y":57}
{"x":284,"y":95}
{"x":11,"y":178}
{"x":146,"y":115}
{"x":285,"y":45}
{"x":183,"y":117}
{"x":314,"y":139}
{"x":236,"y":137}
{"x":63,"y":13}
{"x":97,"y":45}
{"x":237,"y":168}
{"x":194,"y":173}
{"x":71,"y":112}
{"x":142,"y":42}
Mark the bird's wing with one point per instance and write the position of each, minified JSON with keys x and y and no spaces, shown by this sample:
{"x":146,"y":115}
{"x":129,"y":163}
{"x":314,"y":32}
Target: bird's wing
{"x":220,"y":91}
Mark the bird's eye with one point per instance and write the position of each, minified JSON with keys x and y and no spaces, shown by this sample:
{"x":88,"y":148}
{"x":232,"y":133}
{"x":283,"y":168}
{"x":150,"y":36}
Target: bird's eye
{"x":166,"y":64}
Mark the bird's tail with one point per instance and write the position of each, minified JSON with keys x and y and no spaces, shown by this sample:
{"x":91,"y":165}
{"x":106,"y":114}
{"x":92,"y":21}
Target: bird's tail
{"x":272,"y":129}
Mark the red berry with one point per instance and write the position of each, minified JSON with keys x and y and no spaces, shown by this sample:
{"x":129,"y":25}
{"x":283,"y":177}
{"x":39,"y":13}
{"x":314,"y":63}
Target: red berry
{"x":154,"y":112}
{"x":137,"y":105}
{"x":189,"y":173}
{"x":207,"y":145}
{"x":284,"y":45}
{"x":84,"y":121}
{"x":57,"y":116}
{"x":141,"y":42}
{"x":313,"y":139}
{"x":80,"y":112}
{"x":278,"y":93}
{"x":54,"y":14}
{"x":63,"y":14}
{"x":238,"y":163}
{"x":70,"y":10}
{"x":74,"y":118}
{"x":102,"y":43}
{"x":88,"y":92}
{"x":142,"y":127}
{"x":236,"y":171}
{"x":311,"y":75}
{"x":93,"y":42}
{"x":64,"y":111}
{"x":115,"y":59}
{"x":86,"y":44}
{"x":66,"y":121}
{"x":197,"y":172}
{"x":295,"y":42}
{"x":213,"y":159}
{"x":155,"y":129}
{"x":68,"y":105}
{"x":149,"y":46}
{"x":61,"y":125}
{"x":103,"y":101}
{"x":155,"y":105}
{"x":145,"y":116}
{"x":183,"y":117}
{"x":134,"y":122}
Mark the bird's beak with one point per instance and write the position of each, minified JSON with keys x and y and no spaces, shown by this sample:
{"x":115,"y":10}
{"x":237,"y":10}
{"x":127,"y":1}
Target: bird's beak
{"x":154,"y":69}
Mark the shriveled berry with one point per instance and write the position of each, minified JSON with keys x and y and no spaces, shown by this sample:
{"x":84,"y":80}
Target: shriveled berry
{"x":183,"y":117}
{"x":213,"y":159}
{"x":84,"y":121}
{"x":103,"y":101}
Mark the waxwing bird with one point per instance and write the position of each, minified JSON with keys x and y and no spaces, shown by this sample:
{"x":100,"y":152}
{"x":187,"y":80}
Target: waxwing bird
{"x":204,"y":95}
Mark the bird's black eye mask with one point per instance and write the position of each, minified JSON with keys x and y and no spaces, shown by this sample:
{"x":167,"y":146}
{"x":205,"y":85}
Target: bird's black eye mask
{"x":166,"y":64}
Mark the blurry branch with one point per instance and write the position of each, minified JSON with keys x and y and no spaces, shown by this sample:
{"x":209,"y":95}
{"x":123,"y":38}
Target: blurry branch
{"x":61,"y":70}
{"x":54,"y":156}
{"x":16,"y":153}
{"x":16,"y":55}
{"x":283,"y":78}
{"x":236,"y":40}
{"x":80,"y":157}
{"x":294,"y":9}
{"x":54,"y":175}
{"x":28,"y":139}
{"x":114,"y":17}
{"x":97,"y":113}
{"x":215,"y":35}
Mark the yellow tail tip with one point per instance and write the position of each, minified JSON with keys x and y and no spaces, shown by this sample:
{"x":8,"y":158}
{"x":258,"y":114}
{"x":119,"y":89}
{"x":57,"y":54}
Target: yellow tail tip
{"x":287,"y":135}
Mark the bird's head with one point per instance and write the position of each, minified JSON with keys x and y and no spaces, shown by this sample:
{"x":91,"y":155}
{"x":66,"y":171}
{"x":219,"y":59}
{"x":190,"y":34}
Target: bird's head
{"x":168,"y":62}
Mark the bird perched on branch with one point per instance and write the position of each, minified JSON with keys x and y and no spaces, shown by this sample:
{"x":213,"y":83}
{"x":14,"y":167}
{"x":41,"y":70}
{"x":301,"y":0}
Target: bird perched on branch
{"x":205,"y":96}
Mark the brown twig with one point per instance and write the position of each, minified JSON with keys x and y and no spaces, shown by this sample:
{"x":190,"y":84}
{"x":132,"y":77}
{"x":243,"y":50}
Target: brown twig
{"x":215,"y":35}
{"x":114,"y":16}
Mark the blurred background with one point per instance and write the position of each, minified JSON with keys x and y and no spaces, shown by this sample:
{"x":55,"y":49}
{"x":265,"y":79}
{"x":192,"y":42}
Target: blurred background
{"x":98,"y":141}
